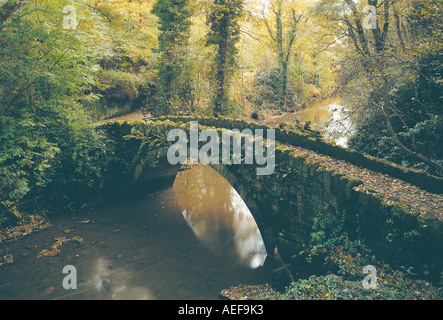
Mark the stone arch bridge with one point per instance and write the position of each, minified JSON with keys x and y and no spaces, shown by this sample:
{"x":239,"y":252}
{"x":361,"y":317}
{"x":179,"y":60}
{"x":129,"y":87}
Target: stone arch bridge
{"x":398,"y":212}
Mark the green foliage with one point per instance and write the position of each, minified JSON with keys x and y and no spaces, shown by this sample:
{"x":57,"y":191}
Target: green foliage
{"x":333,"y":287}
{"x":120,"y":91}
{"x":326,"y":227}
{"x":392,"y":77}
{"x":267,"y":86}
{"x":79,"y":171}
{"x":46,"y":139}
{"x":149,"y":139}
{"x":25,"y":156}
{"x":319,"y":228}
{"x":344,"y":260}
{"x":121,"y":38}
{"x":347,"y":258}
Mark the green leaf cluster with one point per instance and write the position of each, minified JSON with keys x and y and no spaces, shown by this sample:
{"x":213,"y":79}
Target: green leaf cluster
{"x":47,"y":141}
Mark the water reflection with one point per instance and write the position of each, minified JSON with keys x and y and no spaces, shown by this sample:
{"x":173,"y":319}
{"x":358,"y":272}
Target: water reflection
{"x":318,"y":114}
{"x":340,"y":127}
{"x":139,"y":249}
{"x":114,"y":284}
{"x":218,"y":216}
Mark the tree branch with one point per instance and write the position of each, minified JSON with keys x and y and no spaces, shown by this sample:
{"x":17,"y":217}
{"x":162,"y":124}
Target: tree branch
{"x":438,"y":168}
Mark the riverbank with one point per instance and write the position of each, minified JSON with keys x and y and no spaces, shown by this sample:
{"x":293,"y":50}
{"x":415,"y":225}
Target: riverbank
{"x":333,"y":287}
{"x":334,"y":271}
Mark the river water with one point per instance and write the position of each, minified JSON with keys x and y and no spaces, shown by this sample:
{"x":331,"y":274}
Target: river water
{"x":332,"y":118}
{"x":186,"y":242}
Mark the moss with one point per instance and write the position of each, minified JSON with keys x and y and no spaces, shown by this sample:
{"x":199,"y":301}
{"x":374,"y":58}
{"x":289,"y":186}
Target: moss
{"x":369,"y":190}
{"x":400,"y":210}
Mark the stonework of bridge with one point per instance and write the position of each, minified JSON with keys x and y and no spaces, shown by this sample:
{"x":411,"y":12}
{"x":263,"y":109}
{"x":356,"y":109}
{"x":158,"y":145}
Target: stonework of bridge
{"x":397,"y":212}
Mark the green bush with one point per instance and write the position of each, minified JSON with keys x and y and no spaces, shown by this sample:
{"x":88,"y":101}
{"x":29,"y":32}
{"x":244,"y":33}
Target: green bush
{"x":48,"y":147}
{"x":118,"y":87}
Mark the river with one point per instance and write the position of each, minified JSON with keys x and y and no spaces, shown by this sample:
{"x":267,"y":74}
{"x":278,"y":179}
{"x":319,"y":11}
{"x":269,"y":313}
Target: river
{"x":332,"y":118}
{"x":189,"y":241}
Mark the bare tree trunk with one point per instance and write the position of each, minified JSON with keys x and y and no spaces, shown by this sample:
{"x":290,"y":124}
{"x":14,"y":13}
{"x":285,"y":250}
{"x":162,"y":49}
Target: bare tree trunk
{"x":399,"y":28}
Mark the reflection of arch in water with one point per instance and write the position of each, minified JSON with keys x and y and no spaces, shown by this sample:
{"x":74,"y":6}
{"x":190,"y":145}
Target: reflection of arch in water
{"x":218,"y":216}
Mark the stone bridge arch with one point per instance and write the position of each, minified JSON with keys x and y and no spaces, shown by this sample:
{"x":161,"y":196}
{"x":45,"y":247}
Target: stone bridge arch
{"x":144,"y":175}
{"x":303,"y":187}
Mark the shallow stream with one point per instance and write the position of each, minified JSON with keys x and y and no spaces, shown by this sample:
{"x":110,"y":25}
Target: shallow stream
{"x":186,"y":242}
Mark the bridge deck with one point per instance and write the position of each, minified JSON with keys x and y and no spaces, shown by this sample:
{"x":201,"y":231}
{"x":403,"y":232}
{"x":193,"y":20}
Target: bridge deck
{"x":427,"y":202}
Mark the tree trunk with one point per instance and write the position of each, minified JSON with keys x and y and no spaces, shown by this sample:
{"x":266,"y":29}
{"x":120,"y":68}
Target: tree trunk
{"x":221,"y":99}
{"x":281,"y":57}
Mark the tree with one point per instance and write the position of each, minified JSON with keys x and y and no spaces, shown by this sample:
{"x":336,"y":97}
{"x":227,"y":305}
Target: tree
{"x":383,"y":59}
{"x":174,"y":26}
{"x":125,"y":36}
{"x":224,"y":34}
{"x":8,"y":9}
{"x":282,"y":42}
